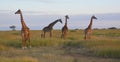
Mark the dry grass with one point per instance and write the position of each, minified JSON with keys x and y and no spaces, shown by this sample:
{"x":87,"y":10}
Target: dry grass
{"x":18,"y":59}
{"x":104,"y":43}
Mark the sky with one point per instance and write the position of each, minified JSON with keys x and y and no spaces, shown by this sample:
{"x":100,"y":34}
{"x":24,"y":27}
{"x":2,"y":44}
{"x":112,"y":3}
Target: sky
{"x":35,"y":11}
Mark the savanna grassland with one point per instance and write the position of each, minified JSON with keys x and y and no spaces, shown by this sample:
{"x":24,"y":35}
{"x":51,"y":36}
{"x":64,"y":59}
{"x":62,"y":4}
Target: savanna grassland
{"x":103,"y":47}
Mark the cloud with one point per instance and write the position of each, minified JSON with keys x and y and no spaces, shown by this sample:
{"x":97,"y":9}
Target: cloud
{"x":41,"y":1}
{"x":34,"y":12}
{"x":5,"y":11}
{"x":49,"y":1}
{"x":43,"y":13}
{"x":109,"y":16}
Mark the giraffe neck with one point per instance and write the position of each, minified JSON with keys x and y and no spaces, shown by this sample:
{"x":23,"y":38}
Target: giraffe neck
{"x":90,"y":25}
{"x":22,"y":21}
{"x":52,"y":24}
{"x":65,"y":21}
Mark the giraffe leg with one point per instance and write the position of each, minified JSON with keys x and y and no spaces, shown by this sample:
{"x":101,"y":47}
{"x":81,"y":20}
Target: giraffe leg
{"x":85,"y":37}
{"x":29,"y":41}
{"x":41,"y":35}
{"x":44,"y":34}
{"x":62,"y":35}
{"x":24,"y":44}
{"x":89,"y":36}
{"x":50,"y":34}
{"x":23,"y":41}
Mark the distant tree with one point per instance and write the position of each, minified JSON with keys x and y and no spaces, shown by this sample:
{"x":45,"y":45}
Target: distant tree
{"x":76,"y":29}
{"x":112,"y":28}
{"x":13,"y":27}
{"x":96,"y":28}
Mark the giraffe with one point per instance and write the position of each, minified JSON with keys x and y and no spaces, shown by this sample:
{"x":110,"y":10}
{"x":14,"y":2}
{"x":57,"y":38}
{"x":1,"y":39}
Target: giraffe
{"x":65,"y":28}
{"x":49,"y":28}
{"x":88,"y":30}
{"x":25,"y":31}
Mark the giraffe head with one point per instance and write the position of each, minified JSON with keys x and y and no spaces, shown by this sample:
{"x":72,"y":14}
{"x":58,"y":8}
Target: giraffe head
{"x":93,"y":17}
{"x":18,"y":12}
{"x":60,"y":20}
{"x":67,"y":17}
